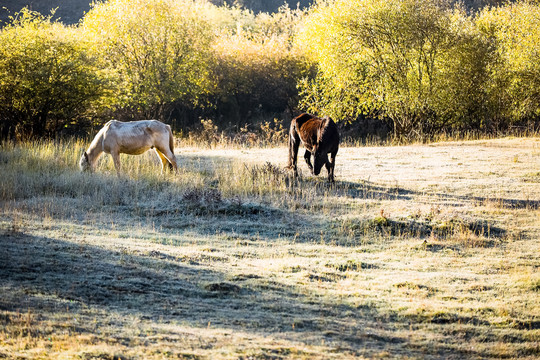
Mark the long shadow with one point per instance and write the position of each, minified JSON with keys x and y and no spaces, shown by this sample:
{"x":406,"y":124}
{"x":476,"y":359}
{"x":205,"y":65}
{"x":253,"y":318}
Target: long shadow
{"x":371,"y":190}
{"x":364,"y":190}
{"x":45,"y":276}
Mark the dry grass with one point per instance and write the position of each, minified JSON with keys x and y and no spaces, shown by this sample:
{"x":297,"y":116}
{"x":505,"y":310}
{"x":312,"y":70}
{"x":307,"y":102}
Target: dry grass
{"x":421,"y":251}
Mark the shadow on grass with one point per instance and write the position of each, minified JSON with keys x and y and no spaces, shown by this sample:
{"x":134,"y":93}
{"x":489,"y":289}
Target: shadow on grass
{"x":46,"y":276}
{"x":374,"y":191}
{"x":368,"y":190}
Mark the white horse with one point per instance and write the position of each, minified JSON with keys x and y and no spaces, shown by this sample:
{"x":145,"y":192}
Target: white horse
{"x":133,"y":138}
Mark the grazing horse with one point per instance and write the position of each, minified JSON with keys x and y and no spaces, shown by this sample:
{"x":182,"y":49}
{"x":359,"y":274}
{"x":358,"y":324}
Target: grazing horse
{"x":133,"y":138}
{"x":320,"y":137}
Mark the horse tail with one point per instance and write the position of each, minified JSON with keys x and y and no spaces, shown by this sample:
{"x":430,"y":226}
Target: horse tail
{"x":171,"y":139}
{"x":172,"y":167}
{"x":294,"y":143}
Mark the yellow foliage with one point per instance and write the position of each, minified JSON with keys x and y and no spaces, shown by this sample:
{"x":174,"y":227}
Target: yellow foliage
{"x":515,"y":29}
{"x":159,"y":50}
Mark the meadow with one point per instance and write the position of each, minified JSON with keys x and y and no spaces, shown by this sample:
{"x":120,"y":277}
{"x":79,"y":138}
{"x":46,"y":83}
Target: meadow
{"x":417,"y":251}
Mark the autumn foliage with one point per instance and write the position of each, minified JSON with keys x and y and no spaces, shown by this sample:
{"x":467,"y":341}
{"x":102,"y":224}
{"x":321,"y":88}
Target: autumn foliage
{"x":423,"y":67}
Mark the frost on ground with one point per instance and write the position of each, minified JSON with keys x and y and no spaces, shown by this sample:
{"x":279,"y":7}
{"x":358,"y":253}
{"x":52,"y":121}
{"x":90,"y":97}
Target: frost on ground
{"x":421,"y":251}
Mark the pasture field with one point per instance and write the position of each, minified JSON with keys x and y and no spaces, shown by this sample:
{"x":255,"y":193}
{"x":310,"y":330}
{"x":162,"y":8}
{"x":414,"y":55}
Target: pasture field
{"x":419,"y":251}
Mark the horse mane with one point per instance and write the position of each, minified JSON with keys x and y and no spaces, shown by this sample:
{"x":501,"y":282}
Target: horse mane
{"x":99,"y":136}
{"x":303,"y":117}
{"x":323,"y":127}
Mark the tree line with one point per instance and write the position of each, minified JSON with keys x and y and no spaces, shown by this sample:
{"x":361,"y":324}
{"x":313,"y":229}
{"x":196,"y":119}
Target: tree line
{"x":419,"y":66}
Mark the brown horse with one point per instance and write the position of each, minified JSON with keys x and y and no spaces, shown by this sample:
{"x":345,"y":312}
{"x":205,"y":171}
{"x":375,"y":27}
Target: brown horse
{"x":320,"y":137}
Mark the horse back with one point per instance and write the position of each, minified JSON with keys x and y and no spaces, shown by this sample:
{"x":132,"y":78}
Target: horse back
{"x":312,"y":130}
{"x":306,"y":127}
{"x":135,"y":137}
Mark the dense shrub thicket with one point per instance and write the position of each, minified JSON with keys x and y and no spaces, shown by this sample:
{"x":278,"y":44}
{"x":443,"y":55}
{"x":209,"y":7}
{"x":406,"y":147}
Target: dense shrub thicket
{"x":425,"y":66}
{"x":175,"y":61}
{"x":156,"y":53}
{"x":421,"y":66}
{"x":48,"y":79}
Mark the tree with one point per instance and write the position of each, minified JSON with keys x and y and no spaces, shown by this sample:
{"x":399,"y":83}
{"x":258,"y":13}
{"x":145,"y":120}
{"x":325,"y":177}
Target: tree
{"x":158,"y":52}
{"x":399,"y":60}
{"x":515,"y":29}
{"x":256,"y":65}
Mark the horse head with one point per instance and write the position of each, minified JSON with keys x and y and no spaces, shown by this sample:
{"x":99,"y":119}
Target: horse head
{"x":320,"y":148}
{"x":84,"y":163}
{"x":320,"y":158}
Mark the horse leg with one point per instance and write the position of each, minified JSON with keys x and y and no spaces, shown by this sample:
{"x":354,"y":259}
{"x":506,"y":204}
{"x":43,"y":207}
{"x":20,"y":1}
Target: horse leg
{"x":163,"y":159}
{"x":116,"y":159}
{"x":307,"y":157}
{"x":330,"y":166}
{"x":167,"y":159}
{"x":294,"y":143}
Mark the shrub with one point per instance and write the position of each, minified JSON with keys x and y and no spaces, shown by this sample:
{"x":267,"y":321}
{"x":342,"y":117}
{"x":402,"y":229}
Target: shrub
{"x":515,"y":30}
{"x":256,"y":65}
{"x":47,"y":79}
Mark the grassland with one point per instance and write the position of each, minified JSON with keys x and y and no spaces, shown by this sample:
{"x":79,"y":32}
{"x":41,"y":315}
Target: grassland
{"x":420,"y":251}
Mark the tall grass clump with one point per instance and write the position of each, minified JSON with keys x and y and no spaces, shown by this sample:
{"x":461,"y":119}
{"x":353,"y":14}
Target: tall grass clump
{"x":37,"y":168}
{"x":49,"y":169}
{"x":208,"y":135}
{"x":259,"y":181}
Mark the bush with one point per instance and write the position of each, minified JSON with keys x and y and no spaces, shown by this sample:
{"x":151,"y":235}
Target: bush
{"x":190,"y":59}
{"x":422,"y":66}
{"x":256,"y":65}
{"x":47,"y":80}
